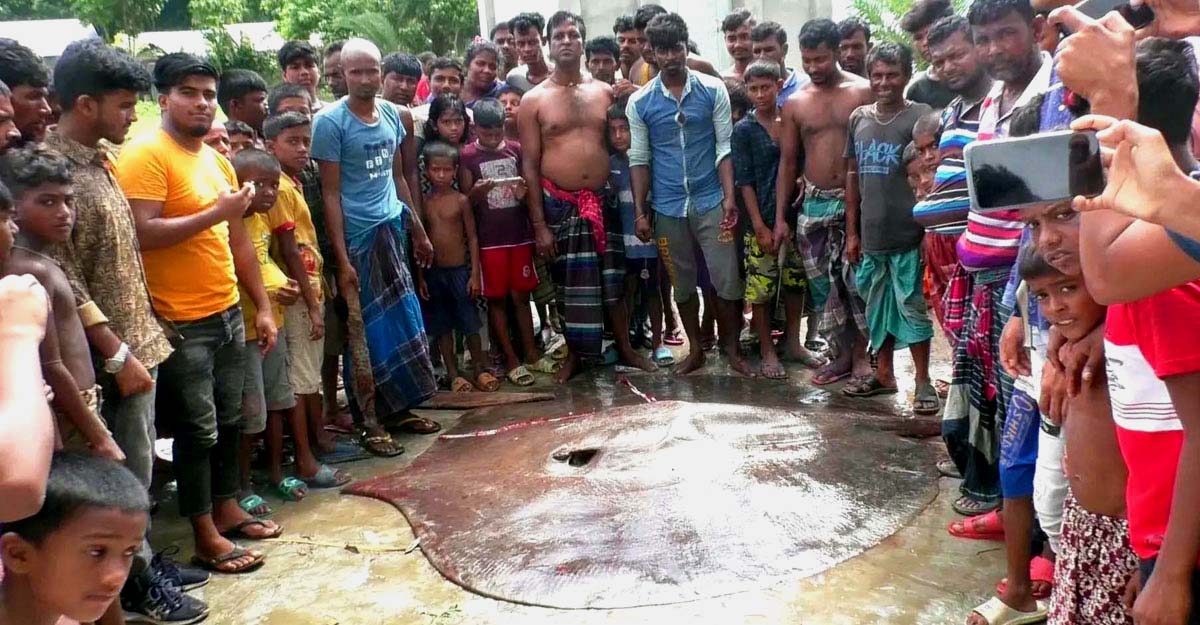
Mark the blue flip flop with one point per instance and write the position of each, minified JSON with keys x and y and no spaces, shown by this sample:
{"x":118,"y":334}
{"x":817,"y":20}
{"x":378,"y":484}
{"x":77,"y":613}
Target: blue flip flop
{"x":343,"y":452}
{"x":663,"y":356}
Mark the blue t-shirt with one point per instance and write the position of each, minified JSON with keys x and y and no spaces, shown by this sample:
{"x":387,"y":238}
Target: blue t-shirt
{"x":619,"y":181}
{"x":365,"y":153}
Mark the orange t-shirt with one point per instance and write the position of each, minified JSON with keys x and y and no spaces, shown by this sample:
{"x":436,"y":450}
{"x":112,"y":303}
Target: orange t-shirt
{"x":195,"y":278}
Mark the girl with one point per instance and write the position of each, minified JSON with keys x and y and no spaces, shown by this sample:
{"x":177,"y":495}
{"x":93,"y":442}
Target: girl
{"x":448,"y":122}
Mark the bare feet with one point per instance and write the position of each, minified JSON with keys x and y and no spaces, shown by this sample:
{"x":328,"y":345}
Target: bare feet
{"x":739,"y":364}
{"x":694,"y":360}
{"x":568,"y":369}
{"x":771,"y":368}
{"x":629,"y":357}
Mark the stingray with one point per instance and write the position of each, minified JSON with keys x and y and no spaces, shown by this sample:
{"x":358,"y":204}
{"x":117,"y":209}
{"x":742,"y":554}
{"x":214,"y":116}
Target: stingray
{"x":653,"y":504}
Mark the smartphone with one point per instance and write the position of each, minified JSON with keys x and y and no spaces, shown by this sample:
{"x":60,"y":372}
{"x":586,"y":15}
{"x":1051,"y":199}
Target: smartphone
{"x":1005,"y":174}
{"x":1138,"y":17}
{"x":515,"y":180}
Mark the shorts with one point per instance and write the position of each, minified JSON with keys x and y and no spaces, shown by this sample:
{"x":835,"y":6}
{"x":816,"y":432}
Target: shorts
{"x":1019,"y":446}
{"x":763,"y":272}
{"x":507,"y":270}
{"x":1092,"y":568}
{"x":304,"y":354}
{"x":267,"y":386}
{"x":680,"y":237}
{"x":450,"y":307}
{"x":645,"y":271}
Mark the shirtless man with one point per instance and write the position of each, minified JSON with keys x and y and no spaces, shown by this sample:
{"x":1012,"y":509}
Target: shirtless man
{"x":562,"y":125}
{"x":645,"y":68}
{"x":814,"y":125}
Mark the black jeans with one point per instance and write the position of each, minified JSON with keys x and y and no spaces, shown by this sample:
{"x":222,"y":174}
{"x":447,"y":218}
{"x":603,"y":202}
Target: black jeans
{"x":1147,"y":568}
{"x":201,"y":388}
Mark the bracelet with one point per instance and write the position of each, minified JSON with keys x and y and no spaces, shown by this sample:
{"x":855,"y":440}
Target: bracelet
{"x":641,"y":216}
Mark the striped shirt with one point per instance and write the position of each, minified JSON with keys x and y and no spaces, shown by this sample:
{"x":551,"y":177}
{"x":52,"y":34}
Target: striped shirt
{"x":944,"y":210}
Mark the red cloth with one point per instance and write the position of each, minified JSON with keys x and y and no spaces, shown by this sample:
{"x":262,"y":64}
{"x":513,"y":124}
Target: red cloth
{"x":422,"y":91}
{"x":590,"y":208}
{"x":940,"y":260}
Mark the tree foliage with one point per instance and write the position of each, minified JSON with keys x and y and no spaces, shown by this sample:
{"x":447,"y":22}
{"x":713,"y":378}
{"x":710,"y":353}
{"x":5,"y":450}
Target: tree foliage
{"x":33,"y":10}
{"x":208,"y":14}
{"x":110,"y":17}
{"x":884,"y":17}
{"x":444,"y":26}
{"x":224,"y":52}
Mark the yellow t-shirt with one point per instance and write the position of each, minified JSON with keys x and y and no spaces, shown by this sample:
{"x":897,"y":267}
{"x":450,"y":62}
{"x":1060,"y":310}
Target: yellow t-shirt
{"x":195,"y":278}
{"x":259,"y":227}
{"x":291,"y":209}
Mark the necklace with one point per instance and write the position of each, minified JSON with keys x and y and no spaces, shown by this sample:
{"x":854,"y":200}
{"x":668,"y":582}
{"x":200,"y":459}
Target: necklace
{"x":879,"y":116}
{"x":37,"y":253}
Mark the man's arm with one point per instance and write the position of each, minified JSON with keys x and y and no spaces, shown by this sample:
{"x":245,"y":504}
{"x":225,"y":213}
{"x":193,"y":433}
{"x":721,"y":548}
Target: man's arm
{"x":26,"y":425}
{"x":335,"y":228}
{"x":700,"y":64}
{"x":408,"y":155}
{"x":422,"y":248}
{"x":853,"y":202}
{"x":723,"y":131}
{"x":1125,"y":259}
{"x":249,"y":275}
{"x":639,"y":169}
{"x":531,"y":168}
{"x":789,"y":149}
{"x":155,"y":231}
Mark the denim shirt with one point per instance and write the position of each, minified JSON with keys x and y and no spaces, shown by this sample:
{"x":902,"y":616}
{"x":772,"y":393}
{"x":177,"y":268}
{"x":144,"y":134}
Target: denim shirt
{"x":682,"y":141}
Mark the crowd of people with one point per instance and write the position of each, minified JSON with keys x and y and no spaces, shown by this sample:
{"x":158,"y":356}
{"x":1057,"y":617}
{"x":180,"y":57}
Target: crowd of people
{"x":214,"y":281}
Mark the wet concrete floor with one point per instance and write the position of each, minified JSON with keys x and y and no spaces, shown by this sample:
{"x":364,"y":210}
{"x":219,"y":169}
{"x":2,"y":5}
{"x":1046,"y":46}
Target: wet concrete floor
{"x":349,"y":560}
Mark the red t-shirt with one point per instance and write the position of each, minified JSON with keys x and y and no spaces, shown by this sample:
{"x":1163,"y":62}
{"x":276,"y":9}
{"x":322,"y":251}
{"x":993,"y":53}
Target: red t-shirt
{"x":501,"y":219}
{"x":1145,"y":341}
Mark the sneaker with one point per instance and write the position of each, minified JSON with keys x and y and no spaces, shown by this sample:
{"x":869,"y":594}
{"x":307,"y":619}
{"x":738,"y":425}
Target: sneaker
{"x":153,"y":599}
{"x":184,"y":577}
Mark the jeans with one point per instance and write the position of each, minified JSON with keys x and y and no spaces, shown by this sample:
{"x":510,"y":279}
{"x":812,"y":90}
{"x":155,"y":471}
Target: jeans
{"x":201,"y":392}
{"x":131,"y":421}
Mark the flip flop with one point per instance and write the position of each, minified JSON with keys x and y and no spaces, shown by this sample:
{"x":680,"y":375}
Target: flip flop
{"x":996,"y":612}
{"x":546,"y":365}
{"x":827,"y":378}
{"x":925,"y":400}
{"x":971,"y":507}
{"x":810,"y":360}
{"x":328,"y":477}
{"x":461,"y":385}
{"x":815,"y":346}
{"x":252,"y":502}
{"x":557,"y":347}
{"x":609,"y":356}
{"x":486,"y":382}
{"x":416,"y":425}
{"x":673,"y":339}
{"x":1041,"y":569}
{"x":291,"y":489}
{"x":343,"y":452}
{"x":987,"y":526}
{"x":214,"y":564}
{"x":239,"y":531}
{"x":663,"y":356}
{"x":868,"y":387}
{"x":381,"y":446}
{"x":521,"y":376}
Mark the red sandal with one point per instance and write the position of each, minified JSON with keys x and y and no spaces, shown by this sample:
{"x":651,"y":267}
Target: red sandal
{"x":1040,"y":570}
{"x":987,"y":526}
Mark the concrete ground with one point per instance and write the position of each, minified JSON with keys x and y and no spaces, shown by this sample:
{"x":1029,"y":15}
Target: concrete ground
{"x":351,"y":561}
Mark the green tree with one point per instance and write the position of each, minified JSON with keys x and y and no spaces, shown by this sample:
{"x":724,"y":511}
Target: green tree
{"x":207,"y":14}
{"x":884,"y":18}
{"x":444,"y":26}
{"x":33,"y":10}
{"x":110,"y":17}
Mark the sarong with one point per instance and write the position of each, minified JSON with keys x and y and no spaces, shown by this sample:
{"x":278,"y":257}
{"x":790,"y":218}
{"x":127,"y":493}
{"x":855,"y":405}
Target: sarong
{"x":586,"y":279}
{"x":941,"y":256}
{"x":821,"y":237}
{"x":979,"y":389}
{"x":891,"y":286}
{"x":1094,"y":563}
{"x":387,"y":316}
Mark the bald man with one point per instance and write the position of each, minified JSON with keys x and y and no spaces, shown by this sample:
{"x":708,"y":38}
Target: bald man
{"x":357,"y":143}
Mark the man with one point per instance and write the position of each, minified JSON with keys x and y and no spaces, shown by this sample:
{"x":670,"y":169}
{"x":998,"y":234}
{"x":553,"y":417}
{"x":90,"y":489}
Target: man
{"x":502,"y":36}
{"x":356,"y":143}
{"x":28,"y":79}
{"x":856,"y":43}
{"x":602,"y":54}
{"x":99,"y":87}
{"x":9,"y":135}
{"x":446,"y":76}
{"x":333,"y":70}
{"x":736,"y":28}
{"x":926,"y":87}
{"x":629,"y":42}
{"x":298,"y":62}
{"x":527,"y":39}
{"x":694,"y":201}
{"x":401,"y":73}
{"x":196,"y":252}
{"x":646,"y":68}
{"x":575,"y":221}
{"x":769,"y":42}
{"x":242,"y":94}
{"x":815,"y":122}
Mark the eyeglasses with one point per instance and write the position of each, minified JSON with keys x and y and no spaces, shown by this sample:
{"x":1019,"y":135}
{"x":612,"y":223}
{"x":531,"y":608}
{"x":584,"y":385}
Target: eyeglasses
{"x":680,"y":118}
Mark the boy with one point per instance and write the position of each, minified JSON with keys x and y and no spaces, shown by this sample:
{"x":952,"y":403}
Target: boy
{"x":939,"y":247}
{"x":40,"y":182}
{"x":504,"y":236}
{"x":511,"y":99}
{"x":287,"y":98}
{"x":768,"y":270}
{"x":72,"y":557}
{"x":888,"y":249}
{"x":920,"y":177}
{"x":450,"y":286}
{"x":1094,"y":557}
{"x":241,"y":136}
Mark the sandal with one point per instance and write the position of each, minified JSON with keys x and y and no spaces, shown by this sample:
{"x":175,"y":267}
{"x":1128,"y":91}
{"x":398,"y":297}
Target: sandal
{"x":808,"y":359}
{"x":461,"y":385}
{"x":416,"y":425}
{"x":521,"y":376}
{"x":827,"y":377}
{"x":867,"y":387}
{"x":557,"y":347}
{"x":672,"y":338}
{"x":328,"y":477}
{"x":988,"y":526}
{"x":239,"y":531}
{"x":216,"y":565}
{"x":253,"y":502}
{"x":967,"y":506}
{"x":1041,"y":569}
{"x":343,"y":452}
{"x":925,"y":401}
{"x":486,"y":382}
{"x":663,"y":356}
{"x":382,"y":446}
{"x":545,"y":364}
{"x":947,"y":468}
{"x":996,"y":612}
{"x":291,"y":489}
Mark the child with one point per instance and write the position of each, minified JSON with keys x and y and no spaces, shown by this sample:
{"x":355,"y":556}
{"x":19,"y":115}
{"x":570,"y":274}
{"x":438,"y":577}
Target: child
{"x":241,"y":137}
{"x":40,"y":182}
{"x":72,"y":557}
{"x":449,"y":124}
{"x":920,"y":177}
{"x":926,"y":135}
{"x":1094,"y":559}
{"x":504,"y":237}
{"x":941,"y":256}
{"x":740,"y":101}
{"x":450,"y":286}
{"x":511,"y":99}
{"x":888,"y":249}
{"x":217,"y":138}
{"x":287,"y":98}
{"x":641,"y":258}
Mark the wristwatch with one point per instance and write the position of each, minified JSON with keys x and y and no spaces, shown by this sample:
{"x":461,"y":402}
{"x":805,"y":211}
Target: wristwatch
{"x":117,"y":362}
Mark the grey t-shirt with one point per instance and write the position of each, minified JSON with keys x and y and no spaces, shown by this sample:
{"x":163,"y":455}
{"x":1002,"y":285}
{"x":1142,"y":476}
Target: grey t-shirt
{"x":885,"y":208}
{"x":924,"y":89}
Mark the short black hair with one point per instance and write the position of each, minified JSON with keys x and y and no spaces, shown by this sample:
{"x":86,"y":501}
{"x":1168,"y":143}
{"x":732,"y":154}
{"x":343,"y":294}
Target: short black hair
{"x":497,"y":28}
{"x":507,"y":88}
{"x":624,"y":24}
{"x":924,"y":13}
{"x":92,"y":68}
{"x":851,"y":25}
{"x":442,"y":103}
{"x":666,"y":31}
{"x":736,"y":19}
{"x":479,"y":47}
{"x":739,"y":97}
{"x":32,"y":165}
{"x":1167,"y":87}
{"x":602,"y":44}
{"x":78,"y":482}
{"x":296,"y":50}
{"x":562,"y":17}
{"x":276,"y":124}
{"x":616,"y":111}
{"x":1031,"y":264}
{"x":403,"y":64}
{"x":439,"y":149}
{"x":891,"y":53}
{"x":1027,"y":119}
{"x":527,"y":21}
{"x":645,"y":13}
{"x":20,"y":66}
{"x":988,"y":11}
{"x":765,"y":30}
{"x":820,"y":31}
{"x":334,"y":48}
{"x":236,"y":127}
{"x":445,"y":62}
{"x":909,"y":155}
{"x":284,"y":91}
{"x":944,"y":29}
{"x":235,"y":84}
{"x":489,"y":113}
{"x":254,"y":158}
{"x":762,"y":68}
{"x":929,"y":122}
{"x":170,"y":70}
{"x":4,"y":90}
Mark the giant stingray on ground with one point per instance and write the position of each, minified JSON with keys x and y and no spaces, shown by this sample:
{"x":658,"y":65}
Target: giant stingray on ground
{"x":654,"y":503}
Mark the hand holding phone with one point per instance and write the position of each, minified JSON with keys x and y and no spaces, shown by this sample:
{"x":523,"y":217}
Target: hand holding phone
{"x":1007,"y":174}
